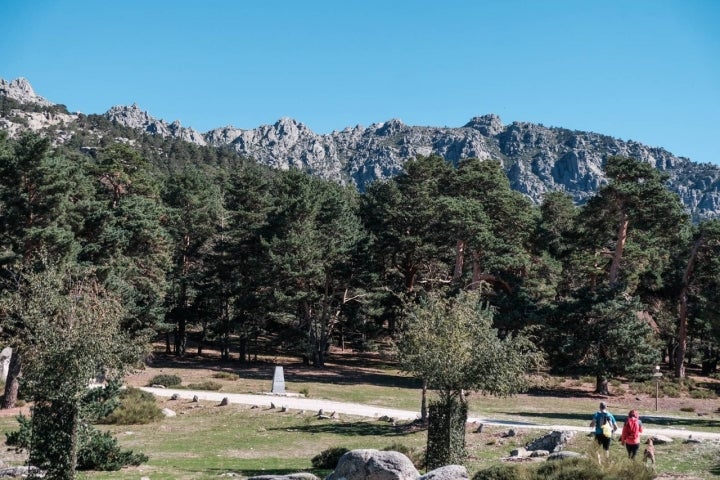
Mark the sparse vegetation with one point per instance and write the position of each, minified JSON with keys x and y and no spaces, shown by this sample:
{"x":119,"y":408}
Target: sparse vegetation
{"x":165,"y":380}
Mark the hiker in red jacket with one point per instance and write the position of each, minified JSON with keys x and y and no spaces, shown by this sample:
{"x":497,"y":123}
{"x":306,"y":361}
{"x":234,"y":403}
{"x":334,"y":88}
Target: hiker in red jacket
{"x":630,"y":436}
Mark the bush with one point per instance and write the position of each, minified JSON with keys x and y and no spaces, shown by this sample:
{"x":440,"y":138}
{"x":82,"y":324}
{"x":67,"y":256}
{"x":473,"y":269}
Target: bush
{"x":328,"y":458}
{"x":502,"y":472}
{"x":137,"y":407}
{"x":647,"y":388}
{"x":670,"y":390}
{"x":206,"y":385}
{"x":226,"y":375}
{"x":687,"y":409}
{"x":100,"y":451}
{"x":416,"y":455}
{"x":702,"y":394}
{"x":165,"y":380}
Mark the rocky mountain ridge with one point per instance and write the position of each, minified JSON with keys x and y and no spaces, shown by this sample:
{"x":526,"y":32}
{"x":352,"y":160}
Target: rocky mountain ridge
{"x":536,"y":158}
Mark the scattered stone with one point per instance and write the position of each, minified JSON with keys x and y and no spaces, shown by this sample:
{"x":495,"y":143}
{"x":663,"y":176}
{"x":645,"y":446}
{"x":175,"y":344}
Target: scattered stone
{"x":290,"y":476}
{"x":479,"y":428}
{"x":520,"y":452}
{"x":284,"y":408}
{"x":690,"y":439}
{"x":510,"y":433}
{"x":563,"y":455}
{"x":448,"y":472}
{"x":254,"y":407}
{"x":272,"y":406}
{"x":157,"y":385}
{"x":539,"y":453}
{"x":224,"y":402}
{"x":320,"y":412}
{"x":22,"y":471}
{"x":661,"y":439}
{"x":174,"y":396}
{"x":195,"y":399}
{"x":554,"y":441}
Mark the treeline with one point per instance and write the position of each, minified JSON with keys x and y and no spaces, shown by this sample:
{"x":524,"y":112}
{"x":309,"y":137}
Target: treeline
{"x":234,"y":252}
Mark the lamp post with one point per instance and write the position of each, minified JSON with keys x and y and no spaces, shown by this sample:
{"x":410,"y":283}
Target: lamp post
{"x":657,"y":375}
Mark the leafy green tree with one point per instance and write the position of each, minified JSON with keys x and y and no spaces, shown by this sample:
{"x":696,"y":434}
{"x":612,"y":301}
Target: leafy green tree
{"x":698,"y":292}
{"x":601,"y":333}
{"x":45,"y":201}
{"x":192,"y":213}
{"x":71,"y":330}
{"x":133,"y":250}
{"x":311,"y":238}
{"x":451,"y":344}
{"x":635,"y":201}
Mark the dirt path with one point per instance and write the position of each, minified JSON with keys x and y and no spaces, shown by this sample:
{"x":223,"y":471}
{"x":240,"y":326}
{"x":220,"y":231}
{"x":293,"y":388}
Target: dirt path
{"x":371,"y":411}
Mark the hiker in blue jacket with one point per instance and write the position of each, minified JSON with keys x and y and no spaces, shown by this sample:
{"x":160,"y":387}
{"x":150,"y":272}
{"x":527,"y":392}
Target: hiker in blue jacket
{"x":605,"y":426}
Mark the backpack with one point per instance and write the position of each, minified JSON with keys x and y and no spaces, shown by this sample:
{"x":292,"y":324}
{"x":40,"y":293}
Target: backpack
{"x":607,"y":429}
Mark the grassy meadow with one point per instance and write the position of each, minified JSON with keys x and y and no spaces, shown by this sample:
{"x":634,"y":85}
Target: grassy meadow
{"x":205,"y":440}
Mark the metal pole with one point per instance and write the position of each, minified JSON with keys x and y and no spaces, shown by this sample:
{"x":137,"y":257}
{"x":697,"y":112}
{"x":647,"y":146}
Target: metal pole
{"x":657,"y":393}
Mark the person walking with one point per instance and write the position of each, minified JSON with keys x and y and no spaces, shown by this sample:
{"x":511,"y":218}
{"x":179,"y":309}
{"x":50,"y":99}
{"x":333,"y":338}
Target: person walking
{"x":605,"y":425}
{"x":630,"y":436}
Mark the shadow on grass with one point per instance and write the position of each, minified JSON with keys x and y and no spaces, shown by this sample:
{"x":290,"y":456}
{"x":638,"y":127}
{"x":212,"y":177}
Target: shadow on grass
{"x":340,"y":370}
{"x":648,"y":420}
{"x":350,"y":429}
{"x":320,"y":473}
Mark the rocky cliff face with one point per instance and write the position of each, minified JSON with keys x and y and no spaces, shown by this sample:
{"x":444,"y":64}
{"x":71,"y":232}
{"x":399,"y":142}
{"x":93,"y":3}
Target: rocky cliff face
{"x":536,"y":158}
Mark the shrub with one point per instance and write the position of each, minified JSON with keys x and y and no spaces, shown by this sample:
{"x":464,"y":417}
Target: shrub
{"x":702,"y":393}
{"x":416,"y":455}
{"x":137,"y":407}
{"x":328,"y":458}
{"x":687,"y":409}
{"x":502,"y":472}
{"x":165,"y":380}
{"x":670,"y":390}
{"x":305,"y":392}
{"x":206,"y":385}
{"x":226,"y":375}
{"x":647,"y":388}
{"x":100,"y":451}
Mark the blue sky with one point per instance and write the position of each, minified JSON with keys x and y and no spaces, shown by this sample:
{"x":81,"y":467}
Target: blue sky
{"x":646,"y":70}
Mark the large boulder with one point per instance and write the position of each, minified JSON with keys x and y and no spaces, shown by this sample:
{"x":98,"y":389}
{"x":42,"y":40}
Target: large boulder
{"x":290,"y":476}
{"x":368,"y":464}
{"x":554,"y":441}
{"x":448,"y":472}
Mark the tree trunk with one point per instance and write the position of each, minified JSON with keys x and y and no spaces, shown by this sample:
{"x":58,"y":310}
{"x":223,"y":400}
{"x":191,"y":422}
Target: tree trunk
{"x":601,"y":385}
{"x":459,"y":260}
{"x":12,"y":383}
{"x":619,"y":247}
{"x":683,"y":310}
{"x":423,"y":403}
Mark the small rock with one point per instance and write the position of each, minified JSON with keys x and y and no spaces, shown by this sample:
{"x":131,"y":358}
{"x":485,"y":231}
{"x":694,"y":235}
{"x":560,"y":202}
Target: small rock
{"x":224,"y":402}
{"x":174,"y":396}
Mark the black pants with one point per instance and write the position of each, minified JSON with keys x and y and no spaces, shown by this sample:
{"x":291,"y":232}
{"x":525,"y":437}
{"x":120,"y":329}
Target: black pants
{"x":603,"y":440}
{"x":632,"y":449}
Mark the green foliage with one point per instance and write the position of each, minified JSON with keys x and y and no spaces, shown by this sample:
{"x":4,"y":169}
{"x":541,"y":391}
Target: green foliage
{"x":416,"y":455}
{"x":100,"y":451}
{"x":446,"y":433}
{"x":136,"y":407}
{"x":20,"y":438}
{"x":206,"y":385}
{"x":568,"y":469}
{"x":451,"y":343}
{"x":702,"y":393}
{"x":165,"y":380}
{"x":328,"y":458}
{"x":502,"y":472}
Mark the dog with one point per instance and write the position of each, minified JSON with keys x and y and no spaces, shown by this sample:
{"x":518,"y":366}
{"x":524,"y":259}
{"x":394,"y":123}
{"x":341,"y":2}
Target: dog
{"x":649,"y":453}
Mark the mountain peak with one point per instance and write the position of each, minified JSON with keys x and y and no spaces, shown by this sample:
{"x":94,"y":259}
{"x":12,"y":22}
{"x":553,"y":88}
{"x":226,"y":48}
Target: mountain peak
{"x":489,"y":125}
{"x":21,"y":90}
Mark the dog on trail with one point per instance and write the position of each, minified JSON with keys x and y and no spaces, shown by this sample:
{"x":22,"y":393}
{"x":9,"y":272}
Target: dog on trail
{"x":649,"y":453}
